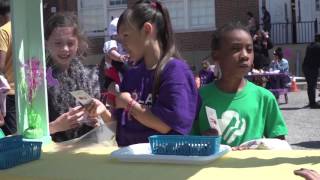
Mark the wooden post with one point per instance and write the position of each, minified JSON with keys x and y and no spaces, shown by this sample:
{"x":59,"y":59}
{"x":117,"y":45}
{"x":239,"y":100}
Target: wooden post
{"x":28,"y":42}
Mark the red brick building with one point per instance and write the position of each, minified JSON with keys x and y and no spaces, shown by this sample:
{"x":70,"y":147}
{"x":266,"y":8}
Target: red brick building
{"x":193,"y":21}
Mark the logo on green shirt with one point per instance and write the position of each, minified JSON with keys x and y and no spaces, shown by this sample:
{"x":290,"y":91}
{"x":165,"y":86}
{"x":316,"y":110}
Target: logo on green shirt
{"x":230,"y":124}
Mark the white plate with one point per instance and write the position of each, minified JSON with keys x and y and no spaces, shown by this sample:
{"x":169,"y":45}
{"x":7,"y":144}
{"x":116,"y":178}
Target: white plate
{"x":142,"y":153}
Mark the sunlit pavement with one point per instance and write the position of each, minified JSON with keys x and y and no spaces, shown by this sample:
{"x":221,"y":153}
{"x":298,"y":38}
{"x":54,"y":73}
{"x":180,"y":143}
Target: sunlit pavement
{"x":303,"y":123}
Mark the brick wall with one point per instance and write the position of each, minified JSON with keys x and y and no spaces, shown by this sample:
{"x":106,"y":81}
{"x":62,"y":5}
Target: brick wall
{"x":226,"y":11}
{"x":96,"y":45}
{"x":193,"y":41}
{"x":235,"y":10}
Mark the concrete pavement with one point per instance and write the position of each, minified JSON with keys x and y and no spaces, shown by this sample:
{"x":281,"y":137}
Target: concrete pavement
{"x":303,"y":123}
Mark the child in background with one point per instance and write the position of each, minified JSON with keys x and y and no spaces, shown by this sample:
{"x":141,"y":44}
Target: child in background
{"x":158,"y":95}
{"x":240,"y":110}
{"x":206,"y":74}
{"x":113,"y":64}
{"x":65,"y":44}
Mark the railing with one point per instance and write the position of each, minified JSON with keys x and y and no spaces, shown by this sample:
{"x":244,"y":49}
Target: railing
{"x":294,"y":33}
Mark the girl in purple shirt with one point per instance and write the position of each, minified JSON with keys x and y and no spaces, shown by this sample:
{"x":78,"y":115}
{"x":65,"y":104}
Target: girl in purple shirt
{"x":158,"y":95}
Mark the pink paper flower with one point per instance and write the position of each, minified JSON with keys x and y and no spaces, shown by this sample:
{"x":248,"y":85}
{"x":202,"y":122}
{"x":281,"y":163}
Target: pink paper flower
{"x":34,"y":75}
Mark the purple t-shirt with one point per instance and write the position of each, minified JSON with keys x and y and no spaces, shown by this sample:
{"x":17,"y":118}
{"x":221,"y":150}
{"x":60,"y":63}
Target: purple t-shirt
{"x":206,"y":76}
{"x":176,"y":102}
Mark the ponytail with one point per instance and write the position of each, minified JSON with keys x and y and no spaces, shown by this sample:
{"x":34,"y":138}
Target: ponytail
{"x":154,"y":12}
{"x":166,"y":36}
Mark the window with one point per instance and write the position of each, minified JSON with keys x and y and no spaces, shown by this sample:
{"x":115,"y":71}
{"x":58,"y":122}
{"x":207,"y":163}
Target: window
{"x":91,"y":16}
{"x":201,"y":13}
{"x":95,"y":15}
{"x":186,"y":15}
{"x":191,"y":15}
{"x":317,"y":5}
{"x":176,"y":10}
{"x":118,"y":2}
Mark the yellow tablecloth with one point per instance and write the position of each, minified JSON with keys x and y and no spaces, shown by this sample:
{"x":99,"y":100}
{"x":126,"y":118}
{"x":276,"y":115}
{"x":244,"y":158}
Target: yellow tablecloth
{"x":94,"y":162}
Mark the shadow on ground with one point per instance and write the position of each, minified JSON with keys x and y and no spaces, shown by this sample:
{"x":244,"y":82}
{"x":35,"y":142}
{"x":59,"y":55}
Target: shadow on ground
{"x":293,"y":108}
{"x":308,"y":144}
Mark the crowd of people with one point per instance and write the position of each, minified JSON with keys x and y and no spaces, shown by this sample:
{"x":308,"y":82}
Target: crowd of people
{"x":151,"y":84}
{"x":149,"y":89}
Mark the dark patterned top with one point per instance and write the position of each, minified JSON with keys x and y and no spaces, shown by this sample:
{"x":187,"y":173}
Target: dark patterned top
{"x":76,"y":77}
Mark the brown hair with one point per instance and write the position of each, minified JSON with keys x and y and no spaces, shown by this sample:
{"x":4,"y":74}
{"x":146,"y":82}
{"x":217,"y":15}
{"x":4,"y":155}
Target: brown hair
{"x":154,"y":12}
{"x":67,"y":19}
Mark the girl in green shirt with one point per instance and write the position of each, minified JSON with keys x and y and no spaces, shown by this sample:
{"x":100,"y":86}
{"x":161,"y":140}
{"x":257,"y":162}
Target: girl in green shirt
{"x":239,"y":110}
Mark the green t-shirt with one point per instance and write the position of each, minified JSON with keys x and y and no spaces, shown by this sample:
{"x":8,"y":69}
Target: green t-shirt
{"x":251,"y":113}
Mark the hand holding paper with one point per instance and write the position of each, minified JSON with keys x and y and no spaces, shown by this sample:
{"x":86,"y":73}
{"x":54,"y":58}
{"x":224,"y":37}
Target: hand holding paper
{"x":82,"y":97}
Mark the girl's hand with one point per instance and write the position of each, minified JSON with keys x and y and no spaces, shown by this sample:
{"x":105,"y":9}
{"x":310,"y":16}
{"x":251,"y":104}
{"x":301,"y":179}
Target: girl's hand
{"x":308,"y":174}
{"x":92,"y":121}
{"x":122,"y":100}
{"x":68,"y":120}
{"x":95,"y":108}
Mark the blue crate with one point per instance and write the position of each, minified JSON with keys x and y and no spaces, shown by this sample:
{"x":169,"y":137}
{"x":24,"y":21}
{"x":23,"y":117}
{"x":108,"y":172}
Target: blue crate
{"x":184,"y":145}
{"x":11,"y":142}
{"x":14,"y":151}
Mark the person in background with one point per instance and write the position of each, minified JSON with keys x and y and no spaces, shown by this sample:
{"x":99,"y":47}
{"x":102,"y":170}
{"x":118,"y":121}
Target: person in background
{"x":310,"y":67}
{"x":66,"y":44}
{"x":158,"y":95}
{"x":252,"y":25}
{"x":6,"y":67}
{"x":114,"y":62}
{"x":279,"y":64}
{"x":261,"y":45}
{"x":222,"y":111}
{"x":266,"y":19}
{"x":206,"y":74}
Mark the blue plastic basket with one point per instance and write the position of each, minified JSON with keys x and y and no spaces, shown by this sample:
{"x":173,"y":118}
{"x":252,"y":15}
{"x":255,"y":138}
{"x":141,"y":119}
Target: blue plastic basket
{"x":184,"y":145}
{"x":14,"y":151}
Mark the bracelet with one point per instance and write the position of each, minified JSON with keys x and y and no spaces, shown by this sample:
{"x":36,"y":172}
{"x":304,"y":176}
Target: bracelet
{"x":130,"y":105}
{"x":133,"y":103}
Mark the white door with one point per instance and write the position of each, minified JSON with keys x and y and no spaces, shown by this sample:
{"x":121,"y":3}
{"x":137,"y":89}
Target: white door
{"x":317,"y":9}
{"x":317,"y":13}
{"x":306,"y":13}
{"x":280,"y":12}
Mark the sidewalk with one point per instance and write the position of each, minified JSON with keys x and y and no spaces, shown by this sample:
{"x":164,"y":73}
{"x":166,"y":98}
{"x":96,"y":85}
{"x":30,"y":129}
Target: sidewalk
{"x":303,"y":123}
